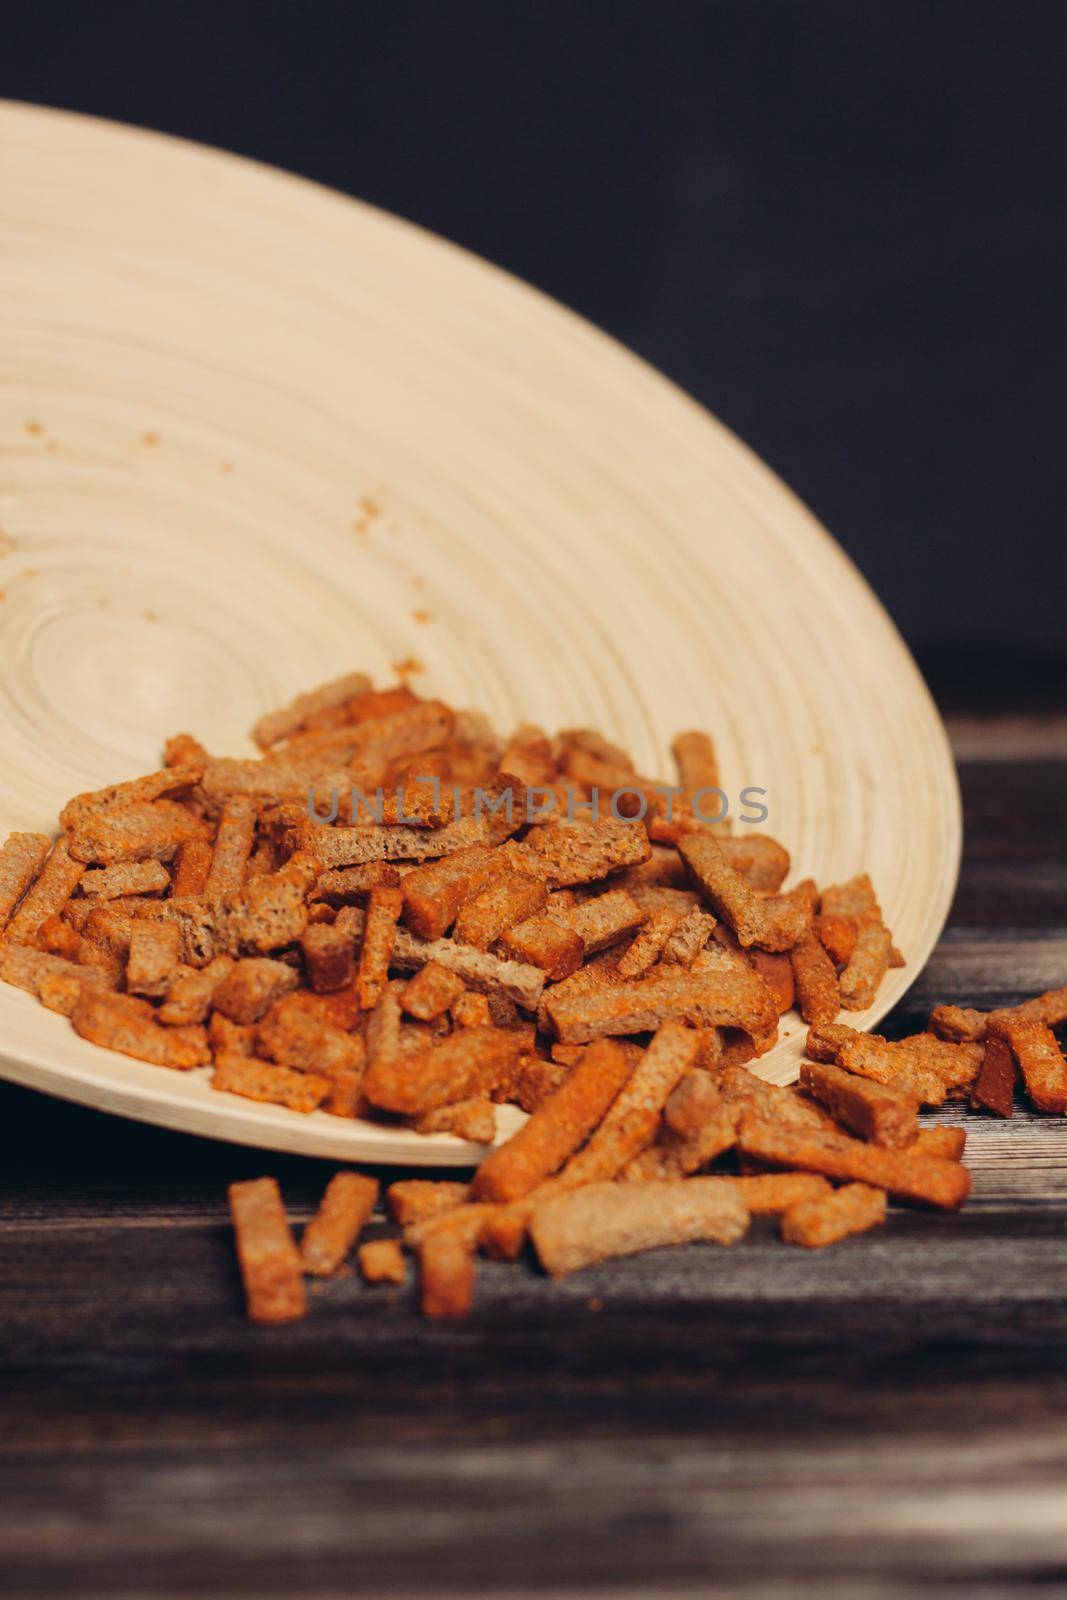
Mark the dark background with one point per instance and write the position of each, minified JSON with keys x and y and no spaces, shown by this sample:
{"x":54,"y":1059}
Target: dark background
{"x":836,"y":222}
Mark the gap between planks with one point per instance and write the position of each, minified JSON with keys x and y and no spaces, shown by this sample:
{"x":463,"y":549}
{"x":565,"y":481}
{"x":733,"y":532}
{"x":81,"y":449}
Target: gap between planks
{"x":1008,"y":738}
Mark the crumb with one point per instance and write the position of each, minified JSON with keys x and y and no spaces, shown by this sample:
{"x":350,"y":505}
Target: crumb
{"x":367,"y":510}
{"x":150,"y":439}
{"x":36,"y":428}
{"x":419,"y":615}
{"x":150,"y":616}
{"x":594,"y":1304}
{"x":225,"y":467}
{"x":408,"y":667}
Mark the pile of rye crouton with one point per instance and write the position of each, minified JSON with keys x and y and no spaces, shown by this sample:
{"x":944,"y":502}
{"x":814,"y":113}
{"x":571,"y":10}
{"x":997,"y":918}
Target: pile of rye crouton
{"x":391,"y":913}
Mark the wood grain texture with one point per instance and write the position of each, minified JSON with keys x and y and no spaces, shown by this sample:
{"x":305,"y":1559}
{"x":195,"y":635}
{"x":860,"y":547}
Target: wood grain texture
{"x":696,"y":1485}
{"x":250,"y":429}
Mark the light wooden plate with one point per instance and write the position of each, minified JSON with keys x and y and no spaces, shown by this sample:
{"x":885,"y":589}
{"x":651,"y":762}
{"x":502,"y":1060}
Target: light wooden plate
{"x":255,"y":433}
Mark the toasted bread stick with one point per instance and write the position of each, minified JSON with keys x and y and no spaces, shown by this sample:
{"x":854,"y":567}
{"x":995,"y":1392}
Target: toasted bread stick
{"x":270,"y":1084}
{"x":333,"y":1230}
{"x":872,"y":1110}
{"x":994,"y":1087}
{"x":470,"y":1063}
{"x":867,"y":966}
{"x":920,"y":1180}
{"x":431,"y":992}
{"x":584,"y":1226}
{"x":379,"y":939}
{"x":446,"y":1275}
{"x":268,"y":1258}
{"x":770,"y":922}
{"x":382,"y":1261}
{"x":634,"y":1114}
{"x":827,"y":1218}
{"x":233,"y":846}
{"x":329,"y":957}
{"x":557,"y":1127}
{"x":415,"y":1199}
{"x":48,"y":894}
{"x":21,"y":859}
{"x":817,"y":993}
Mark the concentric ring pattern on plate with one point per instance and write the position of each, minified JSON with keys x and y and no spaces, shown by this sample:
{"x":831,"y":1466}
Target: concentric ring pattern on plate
{"x":255,"y":433}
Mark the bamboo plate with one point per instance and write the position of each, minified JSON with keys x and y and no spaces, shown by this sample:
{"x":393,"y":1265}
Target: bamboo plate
{"x":255,"y":433}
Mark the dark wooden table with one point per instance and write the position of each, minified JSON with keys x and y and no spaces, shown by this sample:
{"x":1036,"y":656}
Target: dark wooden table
{"x":888,"y":1417}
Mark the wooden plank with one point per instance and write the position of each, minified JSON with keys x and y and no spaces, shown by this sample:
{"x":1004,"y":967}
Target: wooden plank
{"x":1014,"y":874}
{"x":401,"y":1489}
{"x":985,"y":968}
{"x":1008,"y":737}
